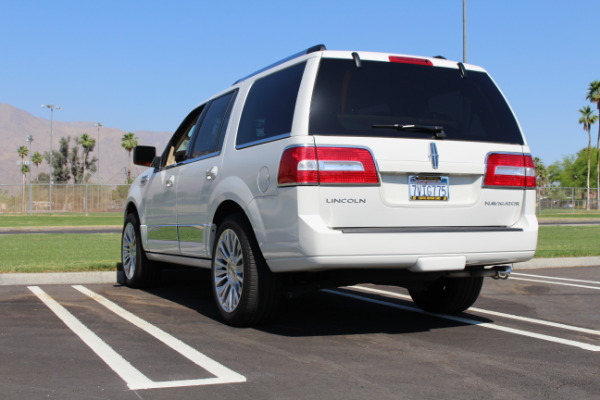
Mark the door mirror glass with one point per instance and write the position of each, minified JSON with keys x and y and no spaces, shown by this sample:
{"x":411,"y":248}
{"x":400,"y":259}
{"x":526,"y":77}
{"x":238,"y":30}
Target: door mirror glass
{"x":144,"y":155}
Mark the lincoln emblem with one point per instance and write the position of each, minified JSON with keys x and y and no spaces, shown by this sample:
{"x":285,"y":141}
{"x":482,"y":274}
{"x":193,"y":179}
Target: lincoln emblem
{"x":433,"y":155}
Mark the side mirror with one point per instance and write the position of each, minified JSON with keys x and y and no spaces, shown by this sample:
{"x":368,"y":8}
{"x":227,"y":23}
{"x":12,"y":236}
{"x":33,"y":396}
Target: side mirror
{"x":156,"y":162}
{"x":144,"y":155}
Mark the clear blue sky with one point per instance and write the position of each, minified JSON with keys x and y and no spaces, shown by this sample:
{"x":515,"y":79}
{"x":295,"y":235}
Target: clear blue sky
{"x":143,"y":65}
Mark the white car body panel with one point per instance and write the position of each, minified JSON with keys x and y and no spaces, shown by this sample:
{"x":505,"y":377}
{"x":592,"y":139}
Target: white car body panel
{"x":314,"y":228}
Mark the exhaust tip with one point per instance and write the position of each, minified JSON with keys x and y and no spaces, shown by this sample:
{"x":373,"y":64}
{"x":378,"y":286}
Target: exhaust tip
{"x":502,"y":271}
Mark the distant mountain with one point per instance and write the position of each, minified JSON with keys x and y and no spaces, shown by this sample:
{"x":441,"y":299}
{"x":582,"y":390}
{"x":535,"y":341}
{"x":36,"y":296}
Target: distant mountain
{"x":16,"y":125}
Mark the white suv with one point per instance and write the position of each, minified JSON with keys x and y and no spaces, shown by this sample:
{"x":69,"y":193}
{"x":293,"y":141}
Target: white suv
{"x":332,"y":168}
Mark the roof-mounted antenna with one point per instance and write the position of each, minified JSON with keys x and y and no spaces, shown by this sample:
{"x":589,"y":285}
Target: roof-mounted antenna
{"x":357,"y":61}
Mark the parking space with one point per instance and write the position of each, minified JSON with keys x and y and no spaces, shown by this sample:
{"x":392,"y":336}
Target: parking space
{"x":536,"y":335}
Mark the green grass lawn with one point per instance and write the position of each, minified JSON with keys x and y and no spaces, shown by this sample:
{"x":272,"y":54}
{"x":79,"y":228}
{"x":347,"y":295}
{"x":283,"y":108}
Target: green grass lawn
{"x":59,"y":252}
{"x":568,"y":214}
{"x":53,"y":252}
{"x":42,"y":220}
{"x":568,"y":241}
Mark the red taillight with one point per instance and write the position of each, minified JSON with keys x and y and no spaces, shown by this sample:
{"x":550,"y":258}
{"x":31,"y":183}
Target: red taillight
{"x":327,"y":165}
{"x":346,"y":165}
{"x":410,"y":60}
{"x":510,"y":170}
{"x":298,"y":165}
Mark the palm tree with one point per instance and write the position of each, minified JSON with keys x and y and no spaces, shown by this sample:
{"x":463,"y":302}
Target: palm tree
{"x":24,"y":171}
{"x":588,"y":118}
{"x":542,"y":172}
{"x":87,"y":143}
{"x":128,"y":142}
{"x":593,"y":95}
{"x":37,"y":159}
{"x":23,"y":151}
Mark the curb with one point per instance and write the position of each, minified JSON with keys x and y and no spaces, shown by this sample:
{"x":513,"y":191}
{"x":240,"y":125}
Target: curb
{"x":60,"y":278}
{"x":116,"y":277}
{"x":564,"y":262}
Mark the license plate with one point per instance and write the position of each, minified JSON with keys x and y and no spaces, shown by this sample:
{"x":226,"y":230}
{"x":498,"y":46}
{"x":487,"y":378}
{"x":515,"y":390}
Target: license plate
{"x":428,"y":188}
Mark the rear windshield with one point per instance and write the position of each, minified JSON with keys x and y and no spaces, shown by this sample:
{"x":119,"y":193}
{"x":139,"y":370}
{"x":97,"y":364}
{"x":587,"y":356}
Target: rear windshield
{"x":370,"y":100}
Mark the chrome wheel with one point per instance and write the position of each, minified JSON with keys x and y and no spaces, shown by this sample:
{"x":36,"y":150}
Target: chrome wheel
{"x":129,"y":250}
{"x":246,"y":292}
{"x":228,"y":270}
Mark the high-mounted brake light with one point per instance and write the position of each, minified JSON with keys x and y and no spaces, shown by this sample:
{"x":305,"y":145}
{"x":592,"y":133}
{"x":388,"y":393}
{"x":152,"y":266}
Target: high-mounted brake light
{"x":327,"y":165}
{"x":510,"y":170}
{"x":410,"y":60}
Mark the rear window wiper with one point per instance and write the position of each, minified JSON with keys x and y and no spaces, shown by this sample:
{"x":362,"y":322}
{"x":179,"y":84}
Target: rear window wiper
{"x":437,"y":130}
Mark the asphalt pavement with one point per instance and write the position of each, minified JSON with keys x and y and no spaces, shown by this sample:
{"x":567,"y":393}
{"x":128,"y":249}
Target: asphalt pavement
{"x":532,"y":336}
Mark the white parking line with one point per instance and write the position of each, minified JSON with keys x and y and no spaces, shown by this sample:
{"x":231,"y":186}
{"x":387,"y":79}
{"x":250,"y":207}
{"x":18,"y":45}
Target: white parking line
{"x":567,"y":342}
{"x":223,"y":374}
{"x":494,"y":313}
{"x":556,"y":283}
{"x":134,"y":379}
{"x":114,"y":360}
{"x":555,"y":278}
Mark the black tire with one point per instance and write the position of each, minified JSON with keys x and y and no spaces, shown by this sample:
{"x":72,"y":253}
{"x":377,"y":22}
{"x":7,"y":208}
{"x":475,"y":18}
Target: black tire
{"x":246,"y":292}
{"x":138,"y":270}
{"x":447,"y":295}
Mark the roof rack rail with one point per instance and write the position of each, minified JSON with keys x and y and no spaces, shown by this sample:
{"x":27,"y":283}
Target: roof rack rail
{"x":313,"y":49}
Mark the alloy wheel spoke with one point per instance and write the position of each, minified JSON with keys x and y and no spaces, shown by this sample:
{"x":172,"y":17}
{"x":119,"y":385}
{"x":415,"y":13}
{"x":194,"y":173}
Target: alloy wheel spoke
{"x":129,"y":250}
{"x":228,"y":270}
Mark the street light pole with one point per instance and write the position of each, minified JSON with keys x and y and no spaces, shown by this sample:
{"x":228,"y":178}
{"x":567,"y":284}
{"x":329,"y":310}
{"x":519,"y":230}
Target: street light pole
{"x":29,"y":140}
{"x":464,"y":31}
{"x":52,"y":107}
{"x":98,"y":125}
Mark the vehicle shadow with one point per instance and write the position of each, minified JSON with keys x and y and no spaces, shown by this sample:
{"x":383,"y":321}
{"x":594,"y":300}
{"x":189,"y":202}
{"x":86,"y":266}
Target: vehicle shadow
{"x":322,"y":313}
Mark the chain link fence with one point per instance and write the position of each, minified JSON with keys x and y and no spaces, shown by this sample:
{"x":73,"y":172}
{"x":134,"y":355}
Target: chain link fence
{"x":45,"y":198}
{"x":69,"y":198}
{"x":564,"y":199}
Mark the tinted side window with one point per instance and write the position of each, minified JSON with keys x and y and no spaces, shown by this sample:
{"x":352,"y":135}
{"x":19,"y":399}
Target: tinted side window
{"x":209,"y":138}
{"x":269,"y":108}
